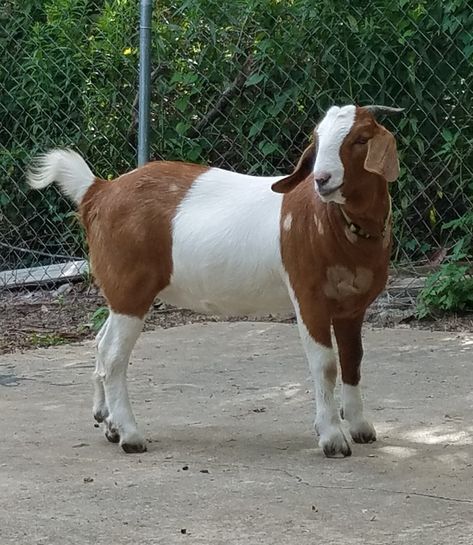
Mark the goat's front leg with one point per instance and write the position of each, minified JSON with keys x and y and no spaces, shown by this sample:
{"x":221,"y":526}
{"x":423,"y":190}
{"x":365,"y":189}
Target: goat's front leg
{"x":314,"y":329}
{"x":350,"y":348}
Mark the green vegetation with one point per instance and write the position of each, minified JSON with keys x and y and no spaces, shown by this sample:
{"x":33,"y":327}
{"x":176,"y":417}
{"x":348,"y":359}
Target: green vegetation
{"x":237,"y":84}
{"x":98,"y":318}
{"x":450,"y":288}
{"x":43,"y":340}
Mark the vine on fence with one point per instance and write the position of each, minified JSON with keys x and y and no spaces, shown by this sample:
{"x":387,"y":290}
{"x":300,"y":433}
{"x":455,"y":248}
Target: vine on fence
{"x":240,"y":85}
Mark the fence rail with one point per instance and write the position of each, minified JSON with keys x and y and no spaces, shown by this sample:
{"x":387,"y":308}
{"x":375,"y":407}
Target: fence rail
{"x":237,"y":84}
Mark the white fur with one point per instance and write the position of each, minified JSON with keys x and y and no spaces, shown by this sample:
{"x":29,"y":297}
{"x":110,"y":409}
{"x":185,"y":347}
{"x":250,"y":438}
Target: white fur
{"x":352,"y":402}
{"x":115,"y":343}
{"x":352,"y":406}
{"x":321,"y":358}
{"x":331,"y":132}
{"x":67,"y":168}
{"x":100,"y":408}
{"x":225,"y":247}
{"x":287,"y":222}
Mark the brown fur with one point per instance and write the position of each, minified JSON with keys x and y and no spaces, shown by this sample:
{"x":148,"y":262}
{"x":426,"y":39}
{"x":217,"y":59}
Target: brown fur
{"x":335,"y":277}
{"x":304,"y":168}
{"x":128,"y":220}
{"x":347,"y":333}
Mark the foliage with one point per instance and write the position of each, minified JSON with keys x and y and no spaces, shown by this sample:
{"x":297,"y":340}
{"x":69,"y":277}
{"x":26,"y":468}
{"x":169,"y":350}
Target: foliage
{"x":448,"y":289}
{"x":44,"y":340}
{"x":98,"y":318}
{"x":451,"y":286}
{"x":69,"y":79}
{"x":65,"y":81}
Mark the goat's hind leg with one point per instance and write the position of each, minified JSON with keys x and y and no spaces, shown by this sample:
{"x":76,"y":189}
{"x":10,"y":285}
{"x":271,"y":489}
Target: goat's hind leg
{"x":100,"y":409}
{"x":114,"y":351}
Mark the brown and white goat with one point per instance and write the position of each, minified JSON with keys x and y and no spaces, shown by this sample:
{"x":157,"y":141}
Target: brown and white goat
{"x":217,"y":241}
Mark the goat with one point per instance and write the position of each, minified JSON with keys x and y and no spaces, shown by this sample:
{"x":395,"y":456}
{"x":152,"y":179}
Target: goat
{"x":211,"y":240}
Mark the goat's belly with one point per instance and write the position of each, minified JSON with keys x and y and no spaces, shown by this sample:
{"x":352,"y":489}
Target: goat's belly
{"x":227,"y":296}
{"x":226,"y":255}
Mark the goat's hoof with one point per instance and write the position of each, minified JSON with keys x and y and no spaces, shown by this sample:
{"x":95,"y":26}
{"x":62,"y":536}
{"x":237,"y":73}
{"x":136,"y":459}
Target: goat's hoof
{"x":100,"y":415}
{"x":112,"y":435}
{"x":335,"y":444}
{"x":131,"y":448}
{"x":363,"y":432}
{"x":133,"y":442}
{"x":111,"y":432}
{"x":332,"y":451}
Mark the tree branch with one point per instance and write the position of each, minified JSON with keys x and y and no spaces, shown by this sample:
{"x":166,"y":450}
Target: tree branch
{"x":224,"y":98}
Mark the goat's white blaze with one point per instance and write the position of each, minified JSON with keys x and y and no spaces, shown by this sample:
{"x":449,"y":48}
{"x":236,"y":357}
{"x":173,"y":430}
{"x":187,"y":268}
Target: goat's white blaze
{"x":331,"y":132}
{"x":226,"y":247}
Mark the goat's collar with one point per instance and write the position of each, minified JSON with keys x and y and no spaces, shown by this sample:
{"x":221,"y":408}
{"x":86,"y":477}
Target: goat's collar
{"x":357,"y":230}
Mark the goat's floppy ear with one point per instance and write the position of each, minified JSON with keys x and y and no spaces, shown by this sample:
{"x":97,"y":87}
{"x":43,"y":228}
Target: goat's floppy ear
{"x":304,"y":168}
{"x":381,"y":157}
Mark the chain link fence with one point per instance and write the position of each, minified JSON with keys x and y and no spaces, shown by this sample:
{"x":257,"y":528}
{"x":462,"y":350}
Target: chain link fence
{"x":240,"y":85}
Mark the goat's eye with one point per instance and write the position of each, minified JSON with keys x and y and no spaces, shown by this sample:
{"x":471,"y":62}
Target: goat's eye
{"x":361,"y":140}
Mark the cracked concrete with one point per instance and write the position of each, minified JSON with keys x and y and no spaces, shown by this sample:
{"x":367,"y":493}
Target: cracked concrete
{"x":232,"y":458}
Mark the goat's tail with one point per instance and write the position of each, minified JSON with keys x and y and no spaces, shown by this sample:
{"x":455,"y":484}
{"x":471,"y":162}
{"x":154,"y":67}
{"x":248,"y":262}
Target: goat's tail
{"x":67,"y":168}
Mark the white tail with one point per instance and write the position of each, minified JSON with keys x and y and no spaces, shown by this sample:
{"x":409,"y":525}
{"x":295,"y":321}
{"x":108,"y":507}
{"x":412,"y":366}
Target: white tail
{"x":67,"y":168}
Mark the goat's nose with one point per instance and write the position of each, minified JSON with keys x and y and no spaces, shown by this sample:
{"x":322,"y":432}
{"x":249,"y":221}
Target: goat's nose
{"x":321,"y":178}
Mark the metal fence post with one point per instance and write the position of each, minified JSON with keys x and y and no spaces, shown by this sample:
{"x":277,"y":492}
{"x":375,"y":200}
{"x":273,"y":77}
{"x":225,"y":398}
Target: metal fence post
{"x":146,"y":9}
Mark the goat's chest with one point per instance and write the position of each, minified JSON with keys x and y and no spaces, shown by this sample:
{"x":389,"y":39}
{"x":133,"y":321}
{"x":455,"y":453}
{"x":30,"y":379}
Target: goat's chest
{"x":344,"y":284}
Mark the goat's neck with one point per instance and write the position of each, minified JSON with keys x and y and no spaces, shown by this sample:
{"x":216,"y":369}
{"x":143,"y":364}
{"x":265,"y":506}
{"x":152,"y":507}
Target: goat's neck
{"x":368,"y":217}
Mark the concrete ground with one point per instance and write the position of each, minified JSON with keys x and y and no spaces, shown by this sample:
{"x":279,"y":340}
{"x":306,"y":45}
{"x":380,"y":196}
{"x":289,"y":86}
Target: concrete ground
{"x":232,"y":456}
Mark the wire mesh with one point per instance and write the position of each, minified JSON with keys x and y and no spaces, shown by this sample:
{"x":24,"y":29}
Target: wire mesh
{"x":237,"y":84}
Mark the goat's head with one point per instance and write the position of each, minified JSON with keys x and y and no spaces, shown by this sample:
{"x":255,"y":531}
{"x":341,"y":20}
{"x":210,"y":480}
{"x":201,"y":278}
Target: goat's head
{"x":350,"y":151}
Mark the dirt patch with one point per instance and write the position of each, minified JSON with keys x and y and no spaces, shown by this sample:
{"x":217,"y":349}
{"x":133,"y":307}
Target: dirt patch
{"x":32,"y":319}
{"x":39,"y":318}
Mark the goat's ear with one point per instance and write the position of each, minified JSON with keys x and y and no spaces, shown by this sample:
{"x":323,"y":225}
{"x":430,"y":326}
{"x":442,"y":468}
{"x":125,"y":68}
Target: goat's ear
{"x":381,"y":157}
{"x":304,"y":168}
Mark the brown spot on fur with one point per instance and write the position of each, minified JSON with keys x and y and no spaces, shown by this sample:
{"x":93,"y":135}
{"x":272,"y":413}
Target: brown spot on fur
{"x":330,"y":373}
{"x":128,"y":223}
{"x":342,"y":282}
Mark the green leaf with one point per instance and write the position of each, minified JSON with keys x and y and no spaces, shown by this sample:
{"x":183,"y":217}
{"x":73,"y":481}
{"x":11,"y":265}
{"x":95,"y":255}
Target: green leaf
{"x":182,"y":103}
{"x":267,"y":148}
{"x":447,"y":135}
{"x":182,"y":127}
{"x":254,"y":79}
{"x":256,"y":128}
{"x":353,"y":23}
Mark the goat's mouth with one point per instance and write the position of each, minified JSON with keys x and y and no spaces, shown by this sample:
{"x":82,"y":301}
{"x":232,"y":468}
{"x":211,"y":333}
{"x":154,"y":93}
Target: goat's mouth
{"x":327,"y":192}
